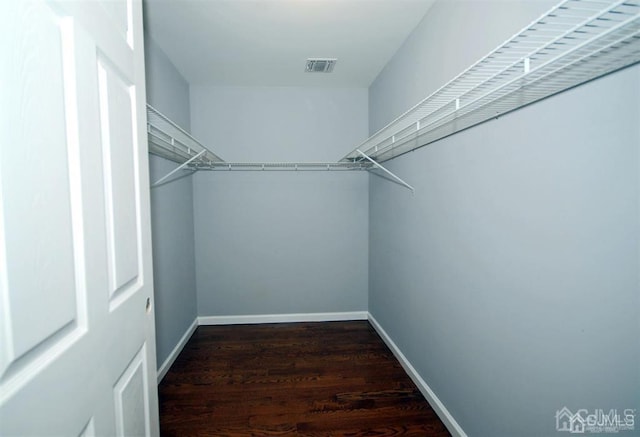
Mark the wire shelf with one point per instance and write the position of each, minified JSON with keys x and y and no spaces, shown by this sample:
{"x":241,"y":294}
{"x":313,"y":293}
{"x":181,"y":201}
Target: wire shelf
{"x":576,"y":41}
{"x":170,"y":141}
{"x":283,"y":166}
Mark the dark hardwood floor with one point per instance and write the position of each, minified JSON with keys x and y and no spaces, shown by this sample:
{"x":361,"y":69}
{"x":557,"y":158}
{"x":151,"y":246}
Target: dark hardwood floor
{"x":298,"y":379}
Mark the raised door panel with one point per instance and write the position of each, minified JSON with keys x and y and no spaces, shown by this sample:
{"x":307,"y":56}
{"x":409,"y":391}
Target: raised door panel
{"x":42,"y":291}
{"x":117,"y":103}
{"x":131,"y":400}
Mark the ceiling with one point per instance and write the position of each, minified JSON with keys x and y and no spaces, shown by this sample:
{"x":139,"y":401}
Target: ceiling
{"x":267,"y":42}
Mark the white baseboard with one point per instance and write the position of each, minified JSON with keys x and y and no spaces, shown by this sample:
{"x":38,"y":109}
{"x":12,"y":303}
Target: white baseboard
{"x":282,"y":318}
{"x":454,"y":428}
{"x":176,"y":350}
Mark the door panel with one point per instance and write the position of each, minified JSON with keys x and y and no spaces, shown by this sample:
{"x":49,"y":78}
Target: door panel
{"x":117,"y":121}
{"x":38,"y":213}
{"x":131,"y":399}
{"x":77,"y":338}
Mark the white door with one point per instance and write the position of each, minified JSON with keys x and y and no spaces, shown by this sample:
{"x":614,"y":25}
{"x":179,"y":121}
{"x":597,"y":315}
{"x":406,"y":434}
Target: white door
{"x":77,"y":348}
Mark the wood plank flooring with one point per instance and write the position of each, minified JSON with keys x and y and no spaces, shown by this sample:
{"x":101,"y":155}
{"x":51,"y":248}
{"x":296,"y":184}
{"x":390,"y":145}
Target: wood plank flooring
{"x":298,"y":379}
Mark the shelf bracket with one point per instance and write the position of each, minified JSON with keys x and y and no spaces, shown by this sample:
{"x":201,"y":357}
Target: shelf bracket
{"x":178,"y":168}
{"x":375,"y":163}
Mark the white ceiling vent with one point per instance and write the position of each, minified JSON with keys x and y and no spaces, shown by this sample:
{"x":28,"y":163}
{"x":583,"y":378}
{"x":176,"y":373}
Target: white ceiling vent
{"x":320,"y":65}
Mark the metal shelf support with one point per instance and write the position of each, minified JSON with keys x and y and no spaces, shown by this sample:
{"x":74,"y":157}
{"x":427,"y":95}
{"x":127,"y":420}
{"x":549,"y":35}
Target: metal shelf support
{"x":375,"y":164}
{"x":178,"y":168}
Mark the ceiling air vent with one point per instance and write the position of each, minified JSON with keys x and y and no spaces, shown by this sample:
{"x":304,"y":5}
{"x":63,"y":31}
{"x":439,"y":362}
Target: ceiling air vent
{"x":320,"y":65}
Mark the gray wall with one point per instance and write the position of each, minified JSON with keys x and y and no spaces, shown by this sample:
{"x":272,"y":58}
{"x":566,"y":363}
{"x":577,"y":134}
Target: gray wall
{"x":280,"y":242}
{"x":171,"y":212}
{"x":510,"y":279}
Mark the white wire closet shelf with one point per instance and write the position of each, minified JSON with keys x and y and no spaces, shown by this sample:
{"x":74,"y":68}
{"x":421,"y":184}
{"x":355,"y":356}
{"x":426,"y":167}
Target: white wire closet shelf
{"x":170,"y":141}
{"x":288,"y":166}
{"x":576,"y":41}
